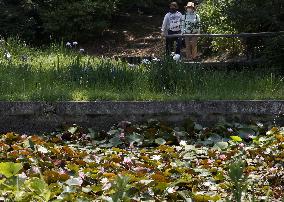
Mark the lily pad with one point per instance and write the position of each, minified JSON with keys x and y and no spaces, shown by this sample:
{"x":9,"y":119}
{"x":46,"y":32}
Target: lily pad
{"x":160,"y":141}
{"x":72,"y":130}
{"x":115,"y":141}
{"x":135,"y":138}
{"x":236,"y":138}
{"x":221,"y":145}
{"x":9,"y":169}
{"x":246,"y":133}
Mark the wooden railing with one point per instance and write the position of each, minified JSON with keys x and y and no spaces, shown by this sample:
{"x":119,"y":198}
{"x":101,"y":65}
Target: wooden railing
{"x":241,"y":35}
{"x":249,"y":40}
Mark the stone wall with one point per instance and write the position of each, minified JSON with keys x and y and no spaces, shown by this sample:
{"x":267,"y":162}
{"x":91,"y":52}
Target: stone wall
{"x":44,"y":116}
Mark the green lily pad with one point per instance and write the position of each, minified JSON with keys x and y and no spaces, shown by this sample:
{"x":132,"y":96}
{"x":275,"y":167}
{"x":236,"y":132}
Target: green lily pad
{"x":236,"y":138}
{"x":115,"y":141}
{"x":245,"y":133}
{"x":160,"y":141}
{"x":9,"y":169}
{"x":135,"y":138}
{"x":72,"y":130}
{"x":221,"y":145}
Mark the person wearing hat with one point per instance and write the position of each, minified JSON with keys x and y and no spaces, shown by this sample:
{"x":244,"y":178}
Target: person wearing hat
{"x":190,"y":25}
{"x":172,"y":25}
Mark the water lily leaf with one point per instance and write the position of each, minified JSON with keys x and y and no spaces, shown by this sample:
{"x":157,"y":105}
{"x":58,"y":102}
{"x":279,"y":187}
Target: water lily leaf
{"x":236,"y":138}
{"x":73,"y":167}
{"x":198,"y":127}
{"x":189,"y":156}
{"x":112,"y":132}
{"x":74,"y":181}
{"x":160,"y":141}
{"x":72,"y":130}
{"x":215,"y":138}
{"x":28,"y":143}
{"x":189,"y":148}
{"x":219,"y":176}
{"x":115,"y":141}
{"x":205,"y":197}
{"x":42,"y":149}
{"x":246,"y":133}
{"x":221,"y":145}
{"x":92,"y":134}
{"x":135,"y":137}
{"x":40,"y":187}
{"x":9,"y":169}
{"x":186,"y":195}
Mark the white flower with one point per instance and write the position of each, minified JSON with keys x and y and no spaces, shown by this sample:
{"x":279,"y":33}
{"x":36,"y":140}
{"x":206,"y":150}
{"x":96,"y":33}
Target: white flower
{"x":82,"y":50}
{"x":82,"y":175}
{"x":75,"y":43}
{"x":131,"y":65}
{"x":7,"y":55}
{"x":35,"y":169}
{"x":32,"y":160}
{"x":106,"y":186}
{"x":86,"y":189}
{"x":171,"y":190}
{"x":107,"y":198}
{"x":150,"y":191}
{"x":74,"y":181}
{"x":259,"y":124}
{"x":178,"y":148}
{"x":146,"y":181}
{"x":42,"y":149}
{"x":127,"y":160}
{"x":207,"y":184}
{"x":176,"y":57}
{"x":60,"y":197}
{"x":156,"y":157}
{"x":23,"y":176}
{"x":146,"y":61}
{"x":102,"y":170}
{"x":104,"y":180}
{"x":182,"y":143}
{"x":68,"y":44}
{"x":273,"y":169}
{"x":230,"y":130}
{"x":2,"y":42}
{"x":156,"y":60}
{"x":160,"y":166}
{"x":68,"y":189}
{"x":61,"y":171}
{"x":24,"y":136}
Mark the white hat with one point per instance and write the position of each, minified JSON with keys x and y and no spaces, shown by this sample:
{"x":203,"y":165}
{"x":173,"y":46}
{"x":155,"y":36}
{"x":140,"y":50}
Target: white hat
{"x":190,"y":4}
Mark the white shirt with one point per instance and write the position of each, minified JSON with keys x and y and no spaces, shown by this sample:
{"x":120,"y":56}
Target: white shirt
{"x":190,"y":23}
{"x":172,"y":21}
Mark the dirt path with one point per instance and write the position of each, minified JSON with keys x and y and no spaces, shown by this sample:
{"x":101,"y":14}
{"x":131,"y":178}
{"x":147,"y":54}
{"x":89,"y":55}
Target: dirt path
{"x":130,"y":35}
{"x":139,"y":36}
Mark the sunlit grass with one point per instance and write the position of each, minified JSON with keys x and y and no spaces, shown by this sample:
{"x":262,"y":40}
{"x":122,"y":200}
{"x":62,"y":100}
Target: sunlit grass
{"x":57,"y":73}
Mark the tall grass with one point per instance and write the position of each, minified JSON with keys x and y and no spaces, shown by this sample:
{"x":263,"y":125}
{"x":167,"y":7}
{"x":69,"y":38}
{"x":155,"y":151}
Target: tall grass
{"x":57,"y":73}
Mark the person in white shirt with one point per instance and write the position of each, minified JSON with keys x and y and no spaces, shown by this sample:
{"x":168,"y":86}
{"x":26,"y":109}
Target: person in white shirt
{"x":171,"y":25}
{"x":190,"y":24}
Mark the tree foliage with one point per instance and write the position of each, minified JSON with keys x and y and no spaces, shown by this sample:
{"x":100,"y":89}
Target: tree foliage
{"x":35,"y":19}
{"x":237,"y":16}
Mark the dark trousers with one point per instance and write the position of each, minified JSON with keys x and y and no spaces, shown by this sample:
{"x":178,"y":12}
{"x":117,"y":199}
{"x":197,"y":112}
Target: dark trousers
{"x":170,"y":43}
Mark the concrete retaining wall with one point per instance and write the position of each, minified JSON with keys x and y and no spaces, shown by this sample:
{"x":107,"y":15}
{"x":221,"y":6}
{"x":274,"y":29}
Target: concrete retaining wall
{"x":44,"y":116}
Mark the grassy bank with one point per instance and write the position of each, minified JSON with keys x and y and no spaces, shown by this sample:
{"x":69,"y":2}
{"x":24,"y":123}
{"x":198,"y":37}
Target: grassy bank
{"x":58,"y":73}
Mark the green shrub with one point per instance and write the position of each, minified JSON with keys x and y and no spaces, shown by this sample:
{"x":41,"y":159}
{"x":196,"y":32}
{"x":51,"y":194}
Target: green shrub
{"x":40,"y":20}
